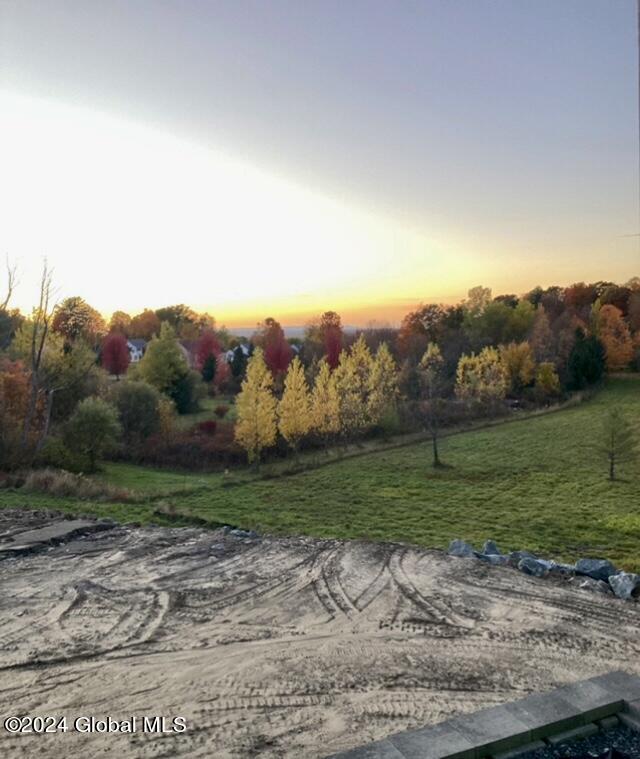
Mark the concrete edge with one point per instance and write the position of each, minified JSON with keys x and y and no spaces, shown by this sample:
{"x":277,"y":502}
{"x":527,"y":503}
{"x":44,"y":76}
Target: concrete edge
{"x":504,"y":728}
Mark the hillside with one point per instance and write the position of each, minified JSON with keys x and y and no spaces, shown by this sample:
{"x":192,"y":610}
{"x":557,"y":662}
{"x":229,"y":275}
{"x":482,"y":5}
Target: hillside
{"x":538,"y":484}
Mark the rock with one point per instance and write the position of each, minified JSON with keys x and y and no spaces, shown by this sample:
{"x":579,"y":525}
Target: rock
{"x":598,"y":569}
{"x":492,"y":558}
{"x":625,"y":585}
{"x":532,"y":567}
{"x":238,"y":533}
{"x":491,"y":549}
{"x":562,"y":569}
{"x":460,"y":549}
{"x":515,"y":557}
{"x":595,"y":586}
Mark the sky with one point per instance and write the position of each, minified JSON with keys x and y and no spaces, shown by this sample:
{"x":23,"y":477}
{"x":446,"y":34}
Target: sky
{"x":286,"y":157}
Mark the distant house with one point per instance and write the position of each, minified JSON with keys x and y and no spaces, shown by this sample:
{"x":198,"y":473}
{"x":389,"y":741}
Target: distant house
{"x":137,"y":348}
{"x":243,"y":346}
{"x":188,"y":349}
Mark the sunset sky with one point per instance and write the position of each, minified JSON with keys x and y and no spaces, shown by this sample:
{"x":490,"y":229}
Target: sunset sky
{"x":284,"y":157}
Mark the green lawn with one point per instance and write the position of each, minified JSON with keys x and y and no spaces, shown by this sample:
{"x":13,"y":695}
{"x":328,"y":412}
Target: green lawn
{"x":206,"y":412}
{"x":537,"y":484}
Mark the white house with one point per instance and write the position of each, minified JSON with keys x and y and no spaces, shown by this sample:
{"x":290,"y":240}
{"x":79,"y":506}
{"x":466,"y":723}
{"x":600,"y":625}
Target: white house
{"x":136,"y":349}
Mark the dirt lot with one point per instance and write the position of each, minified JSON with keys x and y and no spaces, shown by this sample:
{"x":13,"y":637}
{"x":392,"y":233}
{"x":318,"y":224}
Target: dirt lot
{"x":277,"y":647}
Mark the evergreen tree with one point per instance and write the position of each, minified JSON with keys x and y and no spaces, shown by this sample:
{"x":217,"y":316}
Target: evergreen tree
{"x":238,"y":363}
{"x":256,"y":427}
{"x":586,"y":361}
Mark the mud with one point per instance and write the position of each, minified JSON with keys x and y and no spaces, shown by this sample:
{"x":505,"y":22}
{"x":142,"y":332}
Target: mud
{"x":277,"y":647}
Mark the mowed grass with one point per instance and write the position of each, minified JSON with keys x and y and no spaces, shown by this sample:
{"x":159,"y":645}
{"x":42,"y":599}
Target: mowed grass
{"x":538,"y":484}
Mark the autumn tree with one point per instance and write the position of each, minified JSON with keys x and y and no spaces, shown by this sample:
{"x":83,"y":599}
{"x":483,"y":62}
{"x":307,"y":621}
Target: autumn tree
{"x":294,"y":409}
{"x":75,"y":318}
{"x":277,"y":351}
{"x":208,"y":351}
{"x":541,"y":338}
{"x":431,"y":376}
{"x":325,"y":403}
{"x":256,"y":427}
{"x":481,"y":377}
{"x":115,"y":354}
{"x":618,"y":443}
{"x":547,"y":382}
{"x":353,"y":385}
{"x":382,"y":385}
{"x":352,"y":396}
{"x":120,"y":322}
{"x":616,"y":338}
{"x":518,"y":365}
{"x":144,"y":325}
{"x":331,"y":334}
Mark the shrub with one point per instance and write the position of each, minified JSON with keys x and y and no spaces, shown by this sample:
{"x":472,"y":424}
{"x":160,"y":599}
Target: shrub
{"x":57,"y":482}
{"x":221,"y":411}
{"x":93,"y":429}
{"x":190,"y":450}
{"x":208,"y":427}
{"x":138,"y":406}
{"x":55,"y":454}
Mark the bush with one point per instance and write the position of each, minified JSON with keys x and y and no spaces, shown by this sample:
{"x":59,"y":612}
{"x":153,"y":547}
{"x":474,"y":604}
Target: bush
{"x":221,"y":411}
{"x":138,"y":406}
{"x":191,"y":450}
{"x":208,"y":427}
{"x":57,"y":482}
{"x":93,"y":429}
{"x":55,"y":454}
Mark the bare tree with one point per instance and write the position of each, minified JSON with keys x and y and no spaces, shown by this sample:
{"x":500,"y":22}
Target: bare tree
{"x":11,"y":284}
{"x":618,"y":441}
{"x":40,"y":331}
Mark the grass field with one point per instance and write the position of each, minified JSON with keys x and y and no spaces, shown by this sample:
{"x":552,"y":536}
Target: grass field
{"x":538,"y":484}
{"x":206,"y":412}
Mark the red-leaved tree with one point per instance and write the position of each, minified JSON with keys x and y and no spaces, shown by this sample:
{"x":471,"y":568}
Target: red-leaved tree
{"x":208,"y":345}
{"x":331,"y":332}
{"x":115,"y":354}
{"x":277,"y":351}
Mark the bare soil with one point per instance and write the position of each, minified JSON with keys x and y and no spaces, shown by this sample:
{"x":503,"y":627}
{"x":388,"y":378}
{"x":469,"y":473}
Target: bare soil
{"x":277,"y":647}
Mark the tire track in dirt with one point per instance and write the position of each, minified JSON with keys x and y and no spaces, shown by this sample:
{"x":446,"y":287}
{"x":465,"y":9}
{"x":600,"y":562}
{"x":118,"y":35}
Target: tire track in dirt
{"x":279,"y":647}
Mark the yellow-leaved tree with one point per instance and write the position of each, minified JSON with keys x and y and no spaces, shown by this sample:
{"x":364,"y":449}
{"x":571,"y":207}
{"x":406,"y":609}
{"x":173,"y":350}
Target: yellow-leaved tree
{"x":481,"y":377}
{"x":519,"y":365}
{"x":351,"y":386}
{"x":325,"y":403}
{"x":294,"y":409}
{"x":255,"y":427}
{"x":383,"y":385}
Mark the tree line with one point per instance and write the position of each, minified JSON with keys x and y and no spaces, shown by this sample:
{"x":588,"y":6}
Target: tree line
{"x":64,"y":368}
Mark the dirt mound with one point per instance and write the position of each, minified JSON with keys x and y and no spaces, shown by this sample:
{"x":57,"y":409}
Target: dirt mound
{"x":278,"y":647}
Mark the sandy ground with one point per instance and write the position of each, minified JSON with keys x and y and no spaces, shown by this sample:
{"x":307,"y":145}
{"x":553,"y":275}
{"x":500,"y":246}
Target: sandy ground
{"x":278,"y":647}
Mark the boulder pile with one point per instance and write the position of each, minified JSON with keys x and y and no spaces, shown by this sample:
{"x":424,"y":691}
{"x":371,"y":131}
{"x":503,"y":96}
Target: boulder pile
{"x":596,"y":575}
